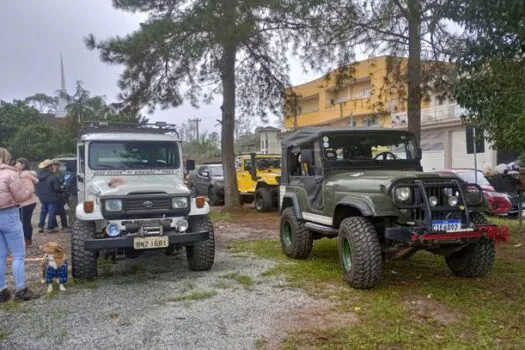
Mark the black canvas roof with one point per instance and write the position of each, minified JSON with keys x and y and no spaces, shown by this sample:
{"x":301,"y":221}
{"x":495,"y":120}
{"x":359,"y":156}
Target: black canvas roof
{"x":312,"y":133}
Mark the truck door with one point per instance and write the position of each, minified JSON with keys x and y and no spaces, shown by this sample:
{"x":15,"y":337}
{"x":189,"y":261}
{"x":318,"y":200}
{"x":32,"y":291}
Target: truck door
{"x":81,"y":172}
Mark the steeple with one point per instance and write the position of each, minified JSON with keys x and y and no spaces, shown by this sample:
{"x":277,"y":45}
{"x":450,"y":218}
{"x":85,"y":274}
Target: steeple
{"x":62,"y":103}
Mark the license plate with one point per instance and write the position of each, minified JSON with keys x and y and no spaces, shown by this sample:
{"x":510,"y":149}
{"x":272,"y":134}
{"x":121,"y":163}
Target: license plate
{"x":151,"y":242}
{"x":446,"y":225}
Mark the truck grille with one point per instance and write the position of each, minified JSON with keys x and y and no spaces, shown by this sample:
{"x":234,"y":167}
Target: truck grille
{"x":147,"y":204}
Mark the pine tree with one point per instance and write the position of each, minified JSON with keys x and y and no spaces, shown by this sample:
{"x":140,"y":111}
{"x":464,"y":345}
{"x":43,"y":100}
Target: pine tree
{"x":196,"y":49}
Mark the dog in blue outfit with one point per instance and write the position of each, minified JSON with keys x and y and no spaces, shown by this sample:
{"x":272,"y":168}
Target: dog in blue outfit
{"x":54,"y":265}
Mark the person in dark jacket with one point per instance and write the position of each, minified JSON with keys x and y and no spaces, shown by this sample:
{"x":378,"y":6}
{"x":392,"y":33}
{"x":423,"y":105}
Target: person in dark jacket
{"x":47,"y":191}
{"x":62,"y":199}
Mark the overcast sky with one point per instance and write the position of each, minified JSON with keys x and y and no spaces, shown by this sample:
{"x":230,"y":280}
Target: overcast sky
{"x":33,"y":33}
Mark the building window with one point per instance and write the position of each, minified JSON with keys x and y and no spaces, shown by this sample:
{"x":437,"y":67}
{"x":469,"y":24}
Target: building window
{"x":370,"y":122}
{"x":352,"y":122}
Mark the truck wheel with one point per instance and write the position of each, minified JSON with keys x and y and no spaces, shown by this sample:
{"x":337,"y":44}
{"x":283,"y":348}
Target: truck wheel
{"x":214,"y":199}
{"x":476,"y":259}
{"x":263,"y":200}
{"x":296,"y":240}
{"x":201,"y":254}
{"x":83,"y":262}
{"x":359,"y":252}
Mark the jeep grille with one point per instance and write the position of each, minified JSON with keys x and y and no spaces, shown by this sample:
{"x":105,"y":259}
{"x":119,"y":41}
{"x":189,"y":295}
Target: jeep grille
{"x":133,"y":204}
{"x":419,"y":207}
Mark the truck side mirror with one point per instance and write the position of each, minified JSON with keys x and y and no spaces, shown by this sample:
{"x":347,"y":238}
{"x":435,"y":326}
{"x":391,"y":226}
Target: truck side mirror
{"x":190,"y":164}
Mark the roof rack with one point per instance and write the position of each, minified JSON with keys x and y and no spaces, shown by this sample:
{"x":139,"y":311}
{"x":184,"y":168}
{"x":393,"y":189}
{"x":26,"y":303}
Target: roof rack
{"x":112,"y":127}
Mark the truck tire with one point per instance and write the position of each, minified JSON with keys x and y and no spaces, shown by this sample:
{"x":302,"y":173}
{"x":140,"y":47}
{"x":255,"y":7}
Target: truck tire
{"x":212,"y":195}
{"x":359,"y":252}
{"x":201,"y":254}
{"x":83,"y":262}
{"x":476,"y":259}
{"x":296,"y":240}
{"x":263,"y":200}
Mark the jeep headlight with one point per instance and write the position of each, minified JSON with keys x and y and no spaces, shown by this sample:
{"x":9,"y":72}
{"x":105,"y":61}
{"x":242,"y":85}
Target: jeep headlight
{"x":113,"y":205}
{"x":403,"y":194}
{"x":180,"y":202}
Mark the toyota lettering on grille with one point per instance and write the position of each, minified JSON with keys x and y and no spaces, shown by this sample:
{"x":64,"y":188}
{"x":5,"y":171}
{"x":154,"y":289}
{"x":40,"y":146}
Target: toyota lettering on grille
{"x":148,"y":204}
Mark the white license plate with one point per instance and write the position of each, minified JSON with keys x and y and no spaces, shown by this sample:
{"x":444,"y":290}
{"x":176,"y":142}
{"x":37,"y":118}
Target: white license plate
{"x":151,"y":242}
{"x":446,"y":225}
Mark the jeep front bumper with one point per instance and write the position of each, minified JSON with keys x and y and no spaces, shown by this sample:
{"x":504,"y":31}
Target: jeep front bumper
{"x":174,"y":237}
{"x":418,"y":236}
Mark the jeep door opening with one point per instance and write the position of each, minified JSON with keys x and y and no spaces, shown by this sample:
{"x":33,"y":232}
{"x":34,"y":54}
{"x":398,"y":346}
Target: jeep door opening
{"x":367,"y":188}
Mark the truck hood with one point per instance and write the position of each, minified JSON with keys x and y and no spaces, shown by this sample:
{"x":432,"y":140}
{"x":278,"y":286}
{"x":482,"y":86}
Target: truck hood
{"x":373,"y":180}
{"x":120,"y":186}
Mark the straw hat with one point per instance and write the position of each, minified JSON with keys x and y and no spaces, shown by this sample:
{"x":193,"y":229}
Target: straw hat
{"x":47,"y":163}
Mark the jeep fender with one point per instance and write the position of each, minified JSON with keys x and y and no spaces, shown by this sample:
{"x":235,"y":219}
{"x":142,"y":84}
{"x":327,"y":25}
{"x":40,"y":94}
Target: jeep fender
{"x":290,"y":200}
{"x":360,"y":204}
{"x":198,"y":211}
{"x":369,"y":205}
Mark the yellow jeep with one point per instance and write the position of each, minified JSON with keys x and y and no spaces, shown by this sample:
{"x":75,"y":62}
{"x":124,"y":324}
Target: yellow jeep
{"x":259,"y":183}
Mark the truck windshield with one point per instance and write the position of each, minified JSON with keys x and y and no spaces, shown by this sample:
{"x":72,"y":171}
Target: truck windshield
{"x":133,"y":155}
{"x":368,"y":146}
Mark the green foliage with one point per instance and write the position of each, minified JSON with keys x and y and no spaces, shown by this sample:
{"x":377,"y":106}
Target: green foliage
{"x":207,"y":146}
{"x":36,"y":142}
{"x":491,"y":67}
{"x":43,"y":102}
{"x":14,"y":116}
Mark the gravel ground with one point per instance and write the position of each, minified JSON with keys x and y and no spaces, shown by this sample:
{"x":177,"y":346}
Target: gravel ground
{"x":136,"y":304}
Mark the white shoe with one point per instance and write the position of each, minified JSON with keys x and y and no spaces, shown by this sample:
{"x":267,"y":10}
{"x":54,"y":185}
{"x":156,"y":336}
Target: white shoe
{"x":62,"y":288}
{"x":50,"y":288}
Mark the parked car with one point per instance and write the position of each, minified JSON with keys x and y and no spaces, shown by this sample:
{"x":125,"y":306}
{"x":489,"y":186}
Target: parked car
{"x":208,"y":181}
{"x":498,"y":203}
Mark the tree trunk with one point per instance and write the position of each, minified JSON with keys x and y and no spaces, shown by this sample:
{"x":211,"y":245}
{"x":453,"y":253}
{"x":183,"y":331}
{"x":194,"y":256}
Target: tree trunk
{"x":231,"y":192}
{"x":414,"y":68}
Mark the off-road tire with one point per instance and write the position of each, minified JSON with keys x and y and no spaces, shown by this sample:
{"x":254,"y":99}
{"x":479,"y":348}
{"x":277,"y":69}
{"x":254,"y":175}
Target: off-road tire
{"x":359,"y":252}
{"x":263,"y":200}
{"x":83,"y":262}
{"x":201,"y":255}
{"x":476,"y":259}
{"x":212,"y":195}
{"x":296,"y":240}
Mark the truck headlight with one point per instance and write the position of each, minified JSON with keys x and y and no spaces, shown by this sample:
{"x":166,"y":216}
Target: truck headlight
{"x":113,"y":230}
{"x":180,"y":202}
{"x":181,"y":225}
{"x":113,"y":205}
{"x":403,"y":194}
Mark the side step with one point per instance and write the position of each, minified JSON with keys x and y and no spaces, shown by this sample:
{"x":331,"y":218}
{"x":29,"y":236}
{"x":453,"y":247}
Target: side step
{"x":321,"y":229}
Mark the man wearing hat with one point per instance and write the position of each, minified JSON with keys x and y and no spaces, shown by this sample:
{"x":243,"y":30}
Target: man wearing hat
{"x":47,"y":190}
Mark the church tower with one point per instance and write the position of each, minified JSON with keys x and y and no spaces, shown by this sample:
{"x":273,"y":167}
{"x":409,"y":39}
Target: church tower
{"x":62,"y":102}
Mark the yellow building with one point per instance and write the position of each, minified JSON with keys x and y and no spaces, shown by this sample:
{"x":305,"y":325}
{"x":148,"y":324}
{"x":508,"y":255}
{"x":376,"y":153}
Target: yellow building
{"x":362,"y":94}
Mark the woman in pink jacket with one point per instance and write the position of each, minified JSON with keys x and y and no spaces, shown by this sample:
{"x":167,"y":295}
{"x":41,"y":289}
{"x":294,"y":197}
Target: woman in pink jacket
{"x":28,"y":206}
{"x":12,"y":193}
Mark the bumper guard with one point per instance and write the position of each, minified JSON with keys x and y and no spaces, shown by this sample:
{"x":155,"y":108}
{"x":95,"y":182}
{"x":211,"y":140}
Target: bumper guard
{"x":414,"y":236}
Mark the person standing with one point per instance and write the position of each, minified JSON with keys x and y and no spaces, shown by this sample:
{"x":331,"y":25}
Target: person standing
{"x":47,"y":190}
{"x":62,"y":199}
{"x":28,"y":206}
{"x":12,"y":192}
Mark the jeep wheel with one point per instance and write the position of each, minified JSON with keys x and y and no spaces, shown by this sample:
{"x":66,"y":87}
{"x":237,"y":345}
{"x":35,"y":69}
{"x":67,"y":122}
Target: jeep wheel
{"x":476,"y":259}
{"x":212,"y":195}
{"x":296,"y":240}
{"x":359,"y":252}
{"x":83,"y":262}
{"x":263,"y":200}
{"x":201,"y":254}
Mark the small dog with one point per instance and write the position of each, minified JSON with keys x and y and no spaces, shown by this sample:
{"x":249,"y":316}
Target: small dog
{"x":54,"y":265}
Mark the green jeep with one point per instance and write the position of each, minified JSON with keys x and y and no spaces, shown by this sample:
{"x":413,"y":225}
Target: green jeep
{"x":367,"y":187}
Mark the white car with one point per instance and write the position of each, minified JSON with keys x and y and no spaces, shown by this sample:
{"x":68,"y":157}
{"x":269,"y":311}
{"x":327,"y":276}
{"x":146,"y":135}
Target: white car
{"x":132,"y":198}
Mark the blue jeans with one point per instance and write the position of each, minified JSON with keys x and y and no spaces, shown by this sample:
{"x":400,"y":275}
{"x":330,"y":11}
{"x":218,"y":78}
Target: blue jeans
{"x":51,"y":209}
{"x":12,"y":240}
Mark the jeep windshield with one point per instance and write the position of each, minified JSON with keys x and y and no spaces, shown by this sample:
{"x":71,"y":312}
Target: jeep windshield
{"x":124,"y":155}
{"x":374,"y":149}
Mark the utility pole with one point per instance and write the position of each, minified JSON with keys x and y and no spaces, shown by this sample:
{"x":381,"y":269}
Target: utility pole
{"x":196,"y":121}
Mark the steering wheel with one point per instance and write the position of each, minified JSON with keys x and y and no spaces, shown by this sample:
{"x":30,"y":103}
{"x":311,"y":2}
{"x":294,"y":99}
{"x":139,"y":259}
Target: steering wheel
{"x":385,"y":154}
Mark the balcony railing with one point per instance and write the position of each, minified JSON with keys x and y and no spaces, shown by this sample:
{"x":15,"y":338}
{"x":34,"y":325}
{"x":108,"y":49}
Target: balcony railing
{"x":433,"y":115}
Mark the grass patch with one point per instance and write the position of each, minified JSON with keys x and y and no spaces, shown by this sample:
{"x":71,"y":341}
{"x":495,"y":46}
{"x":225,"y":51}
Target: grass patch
{"x":223,"y":285}
{"x":219,"y":216}
{"x":398,"y":313}
{"x":246,"y":281}
{"x":197,"y":295}
{"x":3,"y":335}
